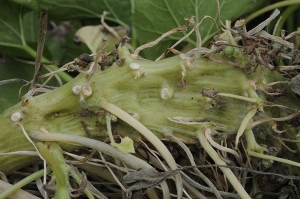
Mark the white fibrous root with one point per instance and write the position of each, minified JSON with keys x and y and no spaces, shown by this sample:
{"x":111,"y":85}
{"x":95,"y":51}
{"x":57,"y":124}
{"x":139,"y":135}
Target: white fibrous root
{"x":137,"y":68}
{"x":190,"y":62}
{"x":76,"y":89}
{"x":16,"y":117}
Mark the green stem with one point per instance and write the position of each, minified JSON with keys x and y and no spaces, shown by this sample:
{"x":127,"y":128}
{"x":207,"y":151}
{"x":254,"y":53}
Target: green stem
{"x":128,"y":159}
{"x":251,"y":142}
{"x":227,"y":172}
{"x":77,"y":178}
{"x":66,"y":77}
{"x":248,"y":99}
{"x":55,"y":162}
{"x":109,"y":132}
{"x":269,"y":157}
{"x":228,"y":23}
{"x":244,"y":125}
{"x":284,"y":16}
{"x":21,"y":184}
{"x":271,"y":7}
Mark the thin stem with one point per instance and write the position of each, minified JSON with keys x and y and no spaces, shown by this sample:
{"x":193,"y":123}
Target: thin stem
{"x":245,"y":125}
{"x":153,"y":43}
{"x":269,"y":157}
{"x":248,"y":99}
{"x":227,"y":172}
{"x":78,"y":179}
{"x":280,"y":119}
{"x":21,"y":183}
{"x":272,"y":7}
{"x":62,"y":180}
{"x":288,"y":12}
{"x":109,"y":132}
{"x":228,"y":23}
{"x":191,"y":158}
{"x":128,"y":159}
{"x":165,"y":153}
{"x":66,"y":77}
{"x":251,"y":142}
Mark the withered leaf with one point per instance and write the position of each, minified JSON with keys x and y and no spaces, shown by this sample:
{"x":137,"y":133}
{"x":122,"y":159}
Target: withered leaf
{"x":207,"y":92}
{"x":295,"y":84}
{"x":145,"y":179}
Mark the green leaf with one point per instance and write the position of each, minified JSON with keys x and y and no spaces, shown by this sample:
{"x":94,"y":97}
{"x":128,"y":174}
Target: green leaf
{"x":92,"y":36}
{"x":18,"y":26}
{"x":57,"y":9}
{"x":9,"y":92}
{"x":153,"y":18}
{"x":10,"y":29}
{"x":126,"y":145}
{"x":32,"y":4}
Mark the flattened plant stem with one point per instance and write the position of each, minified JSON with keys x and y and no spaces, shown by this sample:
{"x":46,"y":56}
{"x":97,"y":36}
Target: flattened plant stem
{"x":165,"y":153}
{"x":227,"y":172}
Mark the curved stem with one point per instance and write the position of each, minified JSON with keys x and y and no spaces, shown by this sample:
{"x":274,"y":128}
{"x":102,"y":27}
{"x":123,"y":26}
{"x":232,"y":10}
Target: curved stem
{"x":130,"y":160}
{"x":272,"y":7}
{"x":21,"y":183}
{"x":191,"y":158}
{"x":165,"y":153}
{"x":78,"y":179}
{"x":288,"y":12}
{"x":244,"y":125}
{"x":227,"y":172}
{"x":269,"y":157}
{"x":248,"y":99}
{"x":62,"y":179}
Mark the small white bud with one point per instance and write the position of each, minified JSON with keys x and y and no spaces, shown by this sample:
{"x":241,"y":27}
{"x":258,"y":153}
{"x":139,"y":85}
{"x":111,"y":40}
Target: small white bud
{"x":16,"y":117}
{"x":76,"y":89}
